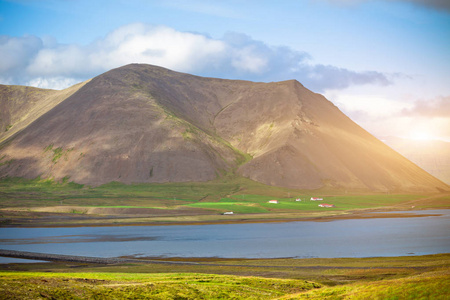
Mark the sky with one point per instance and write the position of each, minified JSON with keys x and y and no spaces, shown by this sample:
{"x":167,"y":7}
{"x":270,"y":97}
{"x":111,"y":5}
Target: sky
{"x":384,"y":63}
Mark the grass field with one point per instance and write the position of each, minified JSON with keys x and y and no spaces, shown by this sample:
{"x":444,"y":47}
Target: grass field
{"x":221,"y":195}
{"x":23,"y":202}
{"x":144,"y":286}
{"x":415,"y":277}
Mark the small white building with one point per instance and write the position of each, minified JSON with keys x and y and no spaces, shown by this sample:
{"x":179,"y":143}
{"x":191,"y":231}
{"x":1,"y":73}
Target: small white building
{"x":316,"y":199}
{"x":228,"y":213}
{"x":273,"y":201}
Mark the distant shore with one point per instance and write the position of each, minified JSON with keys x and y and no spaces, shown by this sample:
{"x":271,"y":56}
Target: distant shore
{"x":29,"y":219}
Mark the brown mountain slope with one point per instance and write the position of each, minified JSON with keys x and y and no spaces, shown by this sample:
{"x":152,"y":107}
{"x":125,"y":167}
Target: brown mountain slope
{"x":21,"y":105}
{"x":112,"y":130}
{"x":142,"y":123}
{"x":300,"y":139}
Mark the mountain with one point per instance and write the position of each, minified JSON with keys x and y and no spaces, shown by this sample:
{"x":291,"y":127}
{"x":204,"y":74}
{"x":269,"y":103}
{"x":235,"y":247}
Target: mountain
{"x":142,"y":123}
{"x":21,"y":105}
{"x":431,"y":155}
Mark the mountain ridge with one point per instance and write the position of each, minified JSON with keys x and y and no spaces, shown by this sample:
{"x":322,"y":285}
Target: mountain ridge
{"x":21,"y":105}
{"x":142,"y":123}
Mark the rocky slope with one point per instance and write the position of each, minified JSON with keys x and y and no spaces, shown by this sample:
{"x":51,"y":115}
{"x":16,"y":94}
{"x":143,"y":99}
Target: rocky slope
{"x":142,"y":123}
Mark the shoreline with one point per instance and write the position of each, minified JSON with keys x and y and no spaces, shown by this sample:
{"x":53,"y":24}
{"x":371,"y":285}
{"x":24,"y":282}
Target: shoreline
{"x":194,"y":261}
{"x":48,"y":257}
{"x":54,"y":220}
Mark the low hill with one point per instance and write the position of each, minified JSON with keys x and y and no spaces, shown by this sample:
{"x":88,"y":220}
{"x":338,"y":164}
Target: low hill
{"x":142,"y":123}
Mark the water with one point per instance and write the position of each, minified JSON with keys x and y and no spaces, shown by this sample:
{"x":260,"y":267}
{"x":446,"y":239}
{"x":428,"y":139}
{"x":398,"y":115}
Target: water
{"x":340,"y":238}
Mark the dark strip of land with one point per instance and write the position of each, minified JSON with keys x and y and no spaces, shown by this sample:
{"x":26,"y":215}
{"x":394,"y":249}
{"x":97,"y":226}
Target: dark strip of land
{"x":79,"y":259}
{"x":27,"y":219}
{"x":123,"y":260}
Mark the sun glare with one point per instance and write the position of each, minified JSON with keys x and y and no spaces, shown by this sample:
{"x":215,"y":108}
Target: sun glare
{"x":421,"y":136}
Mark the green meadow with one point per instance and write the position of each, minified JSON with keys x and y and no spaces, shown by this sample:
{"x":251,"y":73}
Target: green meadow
{"x":235,"y":194}
{"x":145,"y":286}
{"x":32,"y":202}
{"x":260,"y":203}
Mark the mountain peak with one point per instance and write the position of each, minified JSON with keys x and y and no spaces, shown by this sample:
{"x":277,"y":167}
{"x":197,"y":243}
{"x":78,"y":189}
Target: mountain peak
{"x":143,"y":123}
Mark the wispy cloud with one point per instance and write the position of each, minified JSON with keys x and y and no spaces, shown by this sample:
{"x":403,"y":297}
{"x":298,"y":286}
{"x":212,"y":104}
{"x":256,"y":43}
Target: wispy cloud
{"x":439,"y":107}
{"x":408,"y":118}
{"x":46,"y":63}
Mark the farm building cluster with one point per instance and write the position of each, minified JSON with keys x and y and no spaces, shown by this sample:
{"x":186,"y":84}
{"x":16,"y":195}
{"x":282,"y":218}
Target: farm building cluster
{"x":325,"y":205}
{"x":312,"y":199}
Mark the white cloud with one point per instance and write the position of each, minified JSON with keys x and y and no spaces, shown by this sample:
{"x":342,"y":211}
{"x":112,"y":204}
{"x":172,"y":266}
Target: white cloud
{"x":64,"y":60}
{"x":248,"y":60}
{"x":384,"y":116}
{"x":57,"y":83}
{"x":16,"y":53}
{"x":159,"y":45}
{"x":236,"y":56}
{"x":374,"y":106}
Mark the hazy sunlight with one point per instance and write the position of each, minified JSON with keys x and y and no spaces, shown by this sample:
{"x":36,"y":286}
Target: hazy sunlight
{"x":422,"y":136}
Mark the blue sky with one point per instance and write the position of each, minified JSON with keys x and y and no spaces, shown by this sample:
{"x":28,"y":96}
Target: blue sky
{"x":385,"y":63}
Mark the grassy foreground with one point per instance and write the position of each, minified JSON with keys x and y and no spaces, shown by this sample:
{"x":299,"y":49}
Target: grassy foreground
{"x":145,"y":286}
{"x":417,"y":277}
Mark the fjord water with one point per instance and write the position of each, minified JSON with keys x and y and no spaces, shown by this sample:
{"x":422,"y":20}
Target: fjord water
{"x":340,"y":238}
